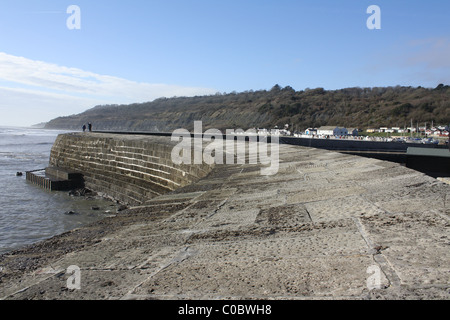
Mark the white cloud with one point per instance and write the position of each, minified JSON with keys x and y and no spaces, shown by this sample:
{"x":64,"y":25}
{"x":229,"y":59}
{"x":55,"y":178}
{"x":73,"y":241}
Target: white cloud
{"x":49,"y":90}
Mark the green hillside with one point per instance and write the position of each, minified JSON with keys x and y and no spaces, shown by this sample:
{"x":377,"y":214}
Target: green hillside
{"x":351,"y":107}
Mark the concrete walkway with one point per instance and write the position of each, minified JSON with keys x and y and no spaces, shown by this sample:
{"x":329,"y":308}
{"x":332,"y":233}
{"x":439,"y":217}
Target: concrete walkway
{"x":327,"y":226}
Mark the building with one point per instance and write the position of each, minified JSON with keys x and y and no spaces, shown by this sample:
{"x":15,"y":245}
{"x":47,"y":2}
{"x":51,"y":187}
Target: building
{"x":332,"y":131}
{"x":310,"y":131}
{"x":263,"y":132}
{"x":326,"y":131}
{"x":353,"y":132}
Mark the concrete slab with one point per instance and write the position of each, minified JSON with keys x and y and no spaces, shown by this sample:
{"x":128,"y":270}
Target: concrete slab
{"x":287,"y":278}
{"x":341,"y":208}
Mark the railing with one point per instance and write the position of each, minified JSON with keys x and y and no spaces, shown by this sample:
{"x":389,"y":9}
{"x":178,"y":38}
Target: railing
{"x":39,"y":180}
{"x":52,"y":184}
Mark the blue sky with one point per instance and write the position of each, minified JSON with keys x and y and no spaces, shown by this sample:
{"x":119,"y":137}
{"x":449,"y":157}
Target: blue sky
{"x":136,"y":51}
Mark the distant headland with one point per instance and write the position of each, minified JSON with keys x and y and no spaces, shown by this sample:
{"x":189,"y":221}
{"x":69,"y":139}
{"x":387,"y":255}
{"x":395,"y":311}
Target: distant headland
{"x":362,"y":108}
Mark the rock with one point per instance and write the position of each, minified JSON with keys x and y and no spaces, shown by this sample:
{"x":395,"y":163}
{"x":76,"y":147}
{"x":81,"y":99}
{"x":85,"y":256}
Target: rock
{"x":107,"y":284}
{"x":95,"y":208}
{"x":71,"y":213}
{"x":83,"y":192}
{"x":74,"y":193}
{"x":378,"y":249}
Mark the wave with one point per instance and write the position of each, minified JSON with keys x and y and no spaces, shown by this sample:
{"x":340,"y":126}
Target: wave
{"x":23,"y":132}
{"x":26,"y":144}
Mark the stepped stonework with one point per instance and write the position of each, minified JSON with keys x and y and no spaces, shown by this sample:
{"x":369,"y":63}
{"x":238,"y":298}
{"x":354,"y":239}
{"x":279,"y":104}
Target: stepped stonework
{"x":131,"y":169}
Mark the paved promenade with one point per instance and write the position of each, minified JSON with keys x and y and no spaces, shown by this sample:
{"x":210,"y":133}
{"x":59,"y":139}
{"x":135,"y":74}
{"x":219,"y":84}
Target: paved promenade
{"x":327,"y":226}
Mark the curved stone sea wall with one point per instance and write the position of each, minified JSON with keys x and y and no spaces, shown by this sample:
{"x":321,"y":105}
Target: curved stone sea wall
{"x":131,"y":169}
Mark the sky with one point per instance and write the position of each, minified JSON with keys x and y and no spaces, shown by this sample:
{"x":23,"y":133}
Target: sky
{"x":57,"y":62}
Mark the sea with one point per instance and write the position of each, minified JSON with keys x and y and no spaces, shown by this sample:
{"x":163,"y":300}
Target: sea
{"x":28,"y":213}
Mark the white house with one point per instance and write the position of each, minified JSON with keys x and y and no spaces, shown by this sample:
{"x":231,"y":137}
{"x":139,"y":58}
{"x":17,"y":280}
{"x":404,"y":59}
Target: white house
{"x":326,"y":131}
{"x":262,"y":132}
{"x":332,"y":131}
{"x":275,"y":132}
{"x":310,"y":131}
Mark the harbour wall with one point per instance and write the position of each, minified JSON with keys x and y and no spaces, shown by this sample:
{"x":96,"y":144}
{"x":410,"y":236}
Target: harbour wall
{"x":129,"y":168}
{"x":134,"y":168}
{"x":356,"y":145}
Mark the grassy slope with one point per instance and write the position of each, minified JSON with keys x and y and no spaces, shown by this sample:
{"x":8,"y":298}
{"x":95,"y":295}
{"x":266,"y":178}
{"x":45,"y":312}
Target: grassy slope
{"x":351,"y":107}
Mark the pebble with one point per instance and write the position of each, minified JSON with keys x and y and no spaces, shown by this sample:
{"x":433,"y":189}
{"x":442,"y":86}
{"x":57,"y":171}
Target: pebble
{"x":122,"y":208}
{"x":71,"y":213}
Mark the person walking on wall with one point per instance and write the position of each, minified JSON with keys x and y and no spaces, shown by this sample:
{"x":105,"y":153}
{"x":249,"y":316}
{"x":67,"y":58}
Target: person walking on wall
{"x":84,"y":127}
{"x":90,"y":126}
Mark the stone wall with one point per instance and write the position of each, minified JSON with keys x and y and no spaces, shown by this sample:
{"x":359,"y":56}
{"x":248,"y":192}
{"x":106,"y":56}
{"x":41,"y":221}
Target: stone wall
{"x":131,"y":169}
{"x":355,"y":145}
